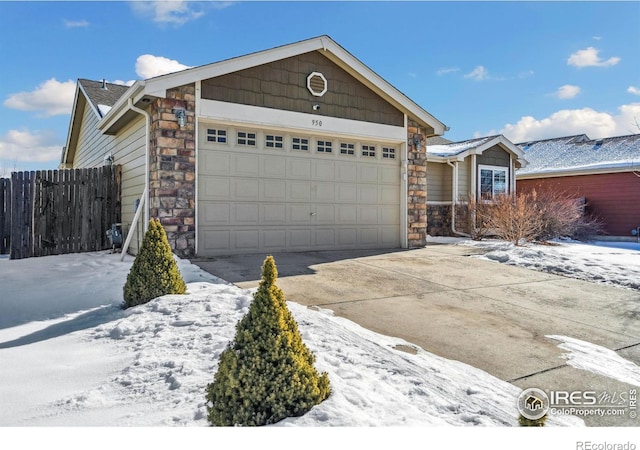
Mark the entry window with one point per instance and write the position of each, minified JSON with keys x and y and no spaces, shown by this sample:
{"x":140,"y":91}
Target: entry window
{"x":324,"y":147}
{"x":273,"y":141}
{"x":369,"y":151}
{"x":492,"y":182}
{"x":347,"y":149}
{"x":298,"y":143}
{"x":246,"y":138}
{"x":388,"y":153}
{"x":214,"y":135}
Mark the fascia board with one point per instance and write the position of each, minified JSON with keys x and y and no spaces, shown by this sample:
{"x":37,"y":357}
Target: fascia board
{"x":159,"y":85}
{"x":120,"y":107}
{"x":576,"y":172}
{"x":380,"y":85}
{"x":72,"y":129}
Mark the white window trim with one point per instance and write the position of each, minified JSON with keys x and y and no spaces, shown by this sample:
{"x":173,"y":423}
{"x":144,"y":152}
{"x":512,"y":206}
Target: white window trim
{"x":504,"y":169}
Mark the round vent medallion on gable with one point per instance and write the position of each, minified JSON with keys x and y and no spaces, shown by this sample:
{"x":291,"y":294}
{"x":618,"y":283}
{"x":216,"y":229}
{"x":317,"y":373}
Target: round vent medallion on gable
{"x":317,"y":84}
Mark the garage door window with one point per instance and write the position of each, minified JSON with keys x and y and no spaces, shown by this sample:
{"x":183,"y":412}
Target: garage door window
{"x":273,"y":141}
{"x":324,"y":147}
{"x":369,"y":151}
{"x":245,"y":138}
{"x":388,"y":153}
{"x":347,"y":149}
{"x":298,"y":143}
{"x":214,"y":135}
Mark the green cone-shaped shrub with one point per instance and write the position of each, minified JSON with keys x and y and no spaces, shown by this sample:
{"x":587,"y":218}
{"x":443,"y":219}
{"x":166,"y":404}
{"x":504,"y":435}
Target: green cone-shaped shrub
{"x":267,"y":372}
{"x":154,"y":271}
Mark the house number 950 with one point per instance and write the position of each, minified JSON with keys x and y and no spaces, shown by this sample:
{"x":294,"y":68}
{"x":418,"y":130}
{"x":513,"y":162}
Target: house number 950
{"x":316,"y":122}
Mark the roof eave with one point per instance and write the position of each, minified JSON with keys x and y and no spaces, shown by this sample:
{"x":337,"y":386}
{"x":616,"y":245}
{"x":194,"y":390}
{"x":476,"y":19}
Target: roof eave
{"x":118,"y":110}
{"x":576,"y":172}
{"x":72,"y":132}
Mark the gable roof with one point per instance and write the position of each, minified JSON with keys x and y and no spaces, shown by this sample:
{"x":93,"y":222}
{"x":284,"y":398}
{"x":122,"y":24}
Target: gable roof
{"x":457,"y":151}
{"x":101,"y":94}
{"x":143,"y":91}
{"x":574,"y":155}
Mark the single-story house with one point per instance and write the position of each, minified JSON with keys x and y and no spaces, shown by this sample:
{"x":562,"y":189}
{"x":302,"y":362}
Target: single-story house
{"x":603,"y":172}
{"x":295,"y":148}
{"x":458,"y":171}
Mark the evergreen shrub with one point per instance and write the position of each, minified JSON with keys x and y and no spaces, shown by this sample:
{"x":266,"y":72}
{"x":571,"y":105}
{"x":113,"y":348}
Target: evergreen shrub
{"x":266,"y":373}
{"x":154,"y":272}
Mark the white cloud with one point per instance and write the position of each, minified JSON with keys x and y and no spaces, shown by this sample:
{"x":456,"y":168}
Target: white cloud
{"x":149,"y":66}
{"x":569,"y":122}
{"x":76,"y":23}
{"x":567,"y":91}
{"x":446,"y":70}
{"x":479,"y":73}
{"x":122,"y":82}
{"x":633,"y":90}
{"x":52,"y":97}
{"x":589,"y":57}
{"x":25,"y":146}
{"x":170,"y":12}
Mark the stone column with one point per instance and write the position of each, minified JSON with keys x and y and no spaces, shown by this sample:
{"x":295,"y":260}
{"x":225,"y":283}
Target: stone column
{"x":417,"y":186}
{"x":172,"y":169}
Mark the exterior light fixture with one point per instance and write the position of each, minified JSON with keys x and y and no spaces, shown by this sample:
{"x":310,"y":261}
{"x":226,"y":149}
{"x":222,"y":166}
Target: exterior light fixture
{"x":417,"y":141}
{"x":181,"y":116}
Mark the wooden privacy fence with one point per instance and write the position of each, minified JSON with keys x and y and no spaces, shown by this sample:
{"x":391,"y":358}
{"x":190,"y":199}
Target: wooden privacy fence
{"x":53,"y":212}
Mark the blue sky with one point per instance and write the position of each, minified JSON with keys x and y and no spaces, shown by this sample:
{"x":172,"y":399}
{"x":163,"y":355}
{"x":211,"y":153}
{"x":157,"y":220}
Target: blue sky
{"x":528,"y":70}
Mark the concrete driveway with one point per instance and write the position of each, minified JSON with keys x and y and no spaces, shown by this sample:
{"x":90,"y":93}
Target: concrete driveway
{"x":491,"y":316}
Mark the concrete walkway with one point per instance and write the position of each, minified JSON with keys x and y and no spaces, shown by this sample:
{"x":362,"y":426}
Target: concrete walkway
{"x":489,"y":315}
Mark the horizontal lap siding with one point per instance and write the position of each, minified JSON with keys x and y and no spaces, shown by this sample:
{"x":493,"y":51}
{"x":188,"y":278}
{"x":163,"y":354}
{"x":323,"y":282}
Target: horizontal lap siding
{"x":613,"y":197}
{"x":128,"y":150}
{"x":438,"y":182}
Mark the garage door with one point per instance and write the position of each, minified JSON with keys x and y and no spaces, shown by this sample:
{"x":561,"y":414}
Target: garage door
{"x":270,"y":191}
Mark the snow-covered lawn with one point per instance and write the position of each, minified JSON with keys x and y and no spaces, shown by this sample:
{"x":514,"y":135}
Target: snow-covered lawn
{"x":69,"y":356}
{"x":611,"y":263}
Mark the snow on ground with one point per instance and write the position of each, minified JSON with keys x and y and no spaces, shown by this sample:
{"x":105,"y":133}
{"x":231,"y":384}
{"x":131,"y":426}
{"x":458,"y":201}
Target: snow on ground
{"x":611,"y":263}
{"x":596,"y":359}
{"x":71,"y":357}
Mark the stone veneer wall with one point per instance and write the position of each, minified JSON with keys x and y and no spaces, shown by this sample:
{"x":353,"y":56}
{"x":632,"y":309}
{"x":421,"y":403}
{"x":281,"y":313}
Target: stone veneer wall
{"x":439,"y":220}
{"x":417,"y":187}
{"x":172,"y":169}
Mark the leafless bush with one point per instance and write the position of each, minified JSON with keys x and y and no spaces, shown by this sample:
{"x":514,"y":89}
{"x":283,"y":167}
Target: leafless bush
{"x":514,"y":218}
{"x":477,"y":218}
{"x":534,"y":216}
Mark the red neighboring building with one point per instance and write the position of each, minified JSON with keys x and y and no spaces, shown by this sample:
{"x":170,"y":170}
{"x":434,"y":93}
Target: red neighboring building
{"x":605,"y":172}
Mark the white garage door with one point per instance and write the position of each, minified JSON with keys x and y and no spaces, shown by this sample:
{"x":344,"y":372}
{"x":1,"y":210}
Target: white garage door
{"x":263,"y":191}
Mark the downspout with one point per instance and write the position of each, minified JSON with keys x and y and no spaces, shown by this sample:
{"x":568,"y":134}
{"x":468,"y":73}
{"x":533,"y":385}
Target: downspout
{"x":144,"y":199}
{"x":454,"y":200}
